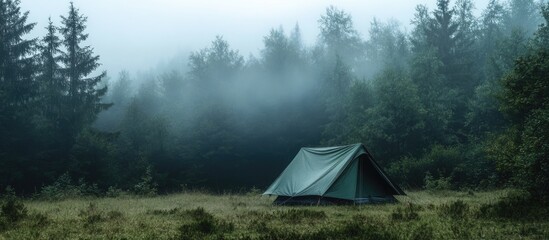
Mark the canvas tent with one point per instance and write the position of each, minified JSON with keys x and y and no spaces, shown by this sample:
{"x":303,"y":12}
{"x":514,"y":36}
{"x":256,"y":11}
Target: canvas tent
{"x":344,"y":174}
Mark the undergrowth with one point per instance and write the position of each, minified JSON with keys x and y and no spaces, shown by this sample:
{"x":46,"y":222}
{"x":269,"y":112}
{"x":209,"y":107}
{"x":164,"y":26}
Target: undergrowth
{"x":421,"y":215}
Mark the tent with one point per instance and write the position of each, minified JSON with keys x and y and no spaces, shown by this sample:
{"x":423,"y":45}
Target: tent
{"x":333,"y":175}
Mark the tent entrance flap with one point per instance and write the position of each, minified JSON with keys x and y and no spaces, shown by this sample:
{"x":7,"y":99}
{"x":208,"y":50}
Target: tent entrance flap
{"x":370,"y":182}
{"x":345,"y":186}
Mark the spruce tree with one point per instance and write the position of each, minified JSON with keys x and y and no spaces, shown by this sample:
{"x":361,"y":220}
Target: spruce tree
{"x":83,"y":93}
{"x":52,"y":85}
{"x":17,"y":93}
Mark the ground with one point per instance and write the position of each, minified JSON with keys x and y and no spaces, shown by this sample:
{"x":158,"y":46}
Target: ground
{"x":195,"y":215}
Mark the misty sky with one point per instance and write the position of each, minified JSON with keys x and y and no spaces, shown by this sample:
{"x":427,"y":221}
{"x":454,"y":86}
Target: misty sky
{"x":138,"y":35}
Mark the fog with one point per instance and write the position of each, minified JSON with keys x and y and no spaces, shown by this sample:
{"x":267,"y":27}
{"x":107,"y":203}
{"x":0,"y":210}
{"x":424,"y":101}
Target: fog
{"x":222,"y":94}
{"x":137,"y":35}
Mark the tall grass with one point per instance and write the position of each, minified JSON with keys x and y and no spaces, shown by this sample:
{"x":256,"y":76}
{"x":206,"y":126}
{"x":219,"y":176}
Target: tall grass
{"x":195,"y":215}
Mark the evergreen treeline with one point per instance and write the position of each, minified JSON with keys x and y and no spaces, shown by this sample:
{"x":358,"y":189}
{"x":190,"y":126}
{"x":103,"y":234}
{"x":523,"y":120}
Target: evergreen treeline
{"x":459,"y":101}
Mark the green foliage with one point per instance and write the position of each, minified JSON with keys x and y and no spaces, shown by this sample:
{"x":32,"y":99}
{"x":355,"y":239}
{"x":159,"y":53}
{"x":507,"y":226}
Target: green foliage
{"x":84,"y":93}
{"x":203,"y":224}
{"x":395,"y":125}
{"x":515,"y":204}
{"x":432,"y":184}
{"x":90,"y":157}
{"x":147,"y":186}
{"x":440,"y":162}
{"x":114,"y":192}
{"x":64,"y":188}
{"x":424,"y":102}
{"x":524,"y":99}
{"x":339,"y":36}
{"x":12,"y":211}
{"x":217,"y":218}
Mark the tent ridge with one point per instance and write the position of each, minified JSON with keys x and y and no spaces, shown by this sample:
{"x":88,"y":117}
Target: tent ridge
{"x":351,"y":159}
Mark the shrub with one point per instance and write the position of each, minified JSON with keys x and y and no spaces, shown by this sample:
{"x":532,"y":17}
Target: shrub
{"x":114,"y":192}
{"x":432,"y":184}
{"x":454,"y":210}
{"x":515,"y":204}
{"x":13,"y":210}
{"x":147,"y":187}
{"x":439,"y":159}
{"x":254,"y":192}
{"x":203,"y":224}
{"x":64,"y":188}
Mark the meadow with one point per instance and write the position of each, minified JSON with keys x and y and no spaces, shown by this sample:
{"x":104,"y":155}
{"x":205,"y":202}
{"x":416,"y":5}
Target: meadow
{"x":496,"y":214}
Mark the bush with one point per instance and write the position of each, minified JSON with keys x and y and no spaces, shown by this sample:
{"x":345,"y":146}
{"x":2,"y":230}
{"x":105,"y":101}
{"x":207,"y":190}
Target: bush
{"x":147,"y":187}
{"x":13,"y":210}
{"x":440,"y":184}
{"x":454,"y":210}
{"x":203,"y":224}
{"x":114,"y":192}
{"x":64,"y":188}
{"x":442,"y":160}
{"x":515,"y":204}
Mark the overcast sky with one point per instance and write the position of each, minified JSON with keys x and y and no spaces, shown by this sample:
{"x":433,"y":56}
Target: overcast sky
{"x":137,"y":35}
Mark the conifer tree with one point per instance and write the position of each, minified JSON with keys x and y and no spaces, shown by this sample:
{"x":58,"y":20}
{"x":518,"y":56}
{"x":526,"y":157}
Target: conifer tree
{"x":83,"y":93}
{"x":52,"y":85}
{"x":17,"y":93}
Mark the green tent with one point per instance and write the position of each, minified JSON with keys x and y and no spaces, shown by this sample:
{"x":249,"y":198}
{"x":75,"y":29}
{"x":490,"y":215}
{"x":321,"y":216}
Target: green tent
{"x":344,"y":174}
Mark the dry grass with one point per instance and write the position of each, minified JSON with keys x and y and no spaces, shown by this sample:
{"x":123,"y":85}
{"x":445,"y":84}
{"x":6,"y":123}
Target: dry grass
{"x":420,"y":215}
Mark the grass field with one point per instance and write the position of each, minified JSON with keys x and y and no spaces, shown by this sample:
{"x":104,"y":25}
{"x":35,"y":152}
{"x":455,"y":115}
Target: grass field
{"x":420,"y":215}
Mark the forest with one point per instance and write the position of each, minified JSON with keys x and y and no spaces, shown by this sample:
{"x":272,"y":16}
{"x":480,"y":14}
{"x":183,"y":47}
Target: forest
{"x":458,"y":101}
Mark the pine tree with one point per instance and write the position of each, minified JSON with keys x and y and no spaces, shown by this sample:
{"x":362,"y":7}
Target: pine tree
{"x":16,"y":60}
{"x":426,"y":72}
{"x":52,"y":85}
{"x":524,"y":16}
{"x":17,"y":93}
{"x":83,"y":93}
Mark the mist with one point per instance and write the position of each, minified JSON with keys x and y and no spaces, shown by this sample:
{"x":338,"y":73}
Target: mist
{"x":140,"y":35}
{"x":221,"y":94}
